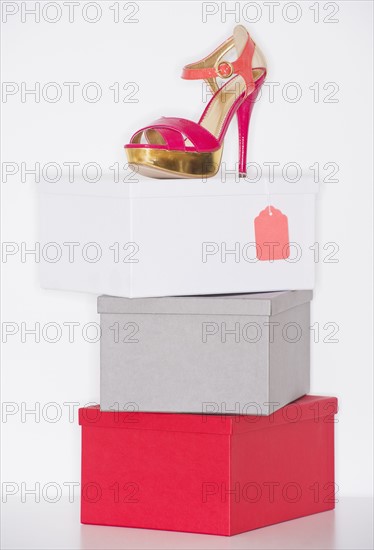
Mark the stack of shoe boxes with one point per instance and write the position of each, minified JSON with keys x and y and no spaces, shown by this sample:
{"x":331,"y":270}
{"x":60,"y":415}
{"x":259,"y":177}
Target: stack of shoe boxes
{"x":205,"y":423}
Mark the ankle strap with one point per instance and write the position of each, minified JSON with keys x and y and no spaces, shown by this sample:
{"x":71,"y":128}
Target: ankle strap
{"x":213,"y":66}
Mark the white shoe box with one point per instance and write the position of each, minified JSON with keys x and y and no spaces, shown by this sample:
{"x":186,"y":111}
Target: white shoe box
{"x":172,"y":237}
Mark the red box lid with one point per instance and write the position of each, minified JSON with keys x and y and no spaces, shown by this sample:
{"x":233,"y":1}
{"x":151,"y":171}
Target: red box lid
{"x":308,"y":407}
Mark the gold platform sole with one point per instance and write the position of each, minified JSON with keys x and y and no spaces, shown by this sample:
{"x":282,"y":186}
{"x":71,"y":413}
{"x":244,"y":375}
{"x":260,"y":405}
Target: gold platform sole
{"x":161,"y":163}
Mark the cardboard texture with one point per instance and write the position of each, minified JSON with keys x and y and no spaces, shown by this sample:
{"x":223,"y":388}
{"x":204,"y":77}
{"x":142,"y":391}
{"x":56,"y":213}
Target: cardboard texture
{"x":169,"y":238}
{"x":243,"y":354}
{"x":216,"y":474}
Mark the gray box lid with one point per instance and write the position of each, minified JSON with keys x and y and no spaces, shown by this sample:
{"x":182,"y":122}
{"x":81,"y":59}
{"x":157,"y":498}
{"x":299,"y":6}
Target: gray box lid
{"x":264,"y":303}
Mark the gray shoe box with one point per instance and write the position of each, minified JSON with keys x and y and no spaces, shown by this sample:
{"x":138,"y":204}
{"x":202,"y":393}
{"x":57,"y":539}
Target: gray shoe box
{"x":240,"y":354}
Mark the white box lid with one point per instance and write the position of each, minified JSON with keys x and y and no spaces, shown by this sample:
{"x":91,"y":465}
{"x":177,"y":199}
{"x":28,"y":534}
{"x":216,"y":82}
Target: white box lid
{"x":264,"y":303}
{"x":153,"y":188}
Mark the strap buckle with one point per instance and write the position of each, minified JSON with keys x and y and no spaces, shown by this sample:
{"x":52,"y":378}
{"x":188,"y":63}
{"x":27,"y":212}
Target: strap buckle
{"x":224,"y":69}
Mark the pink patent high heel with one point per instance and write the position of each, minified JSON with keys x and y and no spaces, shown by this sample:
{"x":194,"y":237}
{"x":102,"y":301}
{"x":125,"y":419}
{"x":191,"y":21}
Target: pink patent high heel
{"x":243,"y":114}
{"x":174,"y":147}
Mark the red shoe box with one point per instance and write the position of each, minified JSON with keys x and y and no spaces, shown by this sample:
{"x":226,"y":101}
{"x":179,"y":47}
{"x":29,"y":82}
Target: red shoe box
{"x":216,"y":474}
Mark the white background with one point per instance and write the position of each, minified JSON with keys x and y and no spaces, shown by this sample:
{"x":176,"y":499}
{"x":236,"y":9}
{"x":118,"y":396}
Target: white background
{"x":151,"y":54}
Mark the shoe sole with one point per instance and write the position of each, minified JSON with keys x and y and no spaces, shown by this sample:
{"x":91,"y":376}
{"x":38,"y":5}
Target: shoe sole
{"x":164,"y":164}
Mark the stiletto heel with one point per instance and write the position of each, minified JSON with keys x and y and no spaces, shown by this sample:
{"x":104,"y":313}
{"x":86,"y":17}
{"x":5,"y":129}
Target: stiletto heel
{"x":244,"y":117}
{"x":174,"y":147}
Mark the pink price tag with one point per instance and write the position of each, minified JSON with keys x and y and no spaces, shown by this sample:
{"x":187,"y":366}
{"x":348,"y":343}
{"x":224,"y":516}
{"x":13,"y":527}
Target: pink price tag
{"x":271,"y":234}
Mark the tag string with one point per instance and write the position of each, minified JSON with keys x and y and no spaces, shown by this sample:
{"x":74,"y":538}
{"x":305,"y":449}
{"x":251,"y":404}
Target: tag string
{"x":268,"y":197}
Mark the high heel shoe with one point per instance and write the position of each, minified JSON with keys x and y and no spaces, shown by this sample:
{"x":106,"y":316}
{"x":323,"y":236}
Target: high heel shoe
{"x":174,"y":147}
